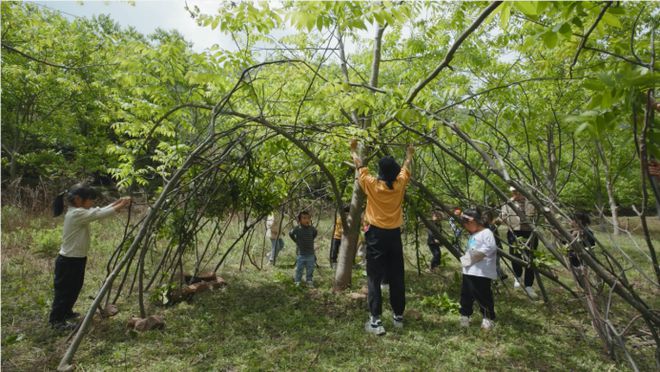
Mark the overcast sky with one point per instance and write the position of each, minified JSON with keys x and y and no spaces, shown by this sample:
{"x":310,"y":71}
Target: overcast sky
{"x":147,"y":15}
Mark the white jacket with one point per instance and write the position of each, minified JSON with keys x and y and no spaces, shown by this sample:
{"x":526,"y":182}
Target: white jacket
{"x":76,"y":233}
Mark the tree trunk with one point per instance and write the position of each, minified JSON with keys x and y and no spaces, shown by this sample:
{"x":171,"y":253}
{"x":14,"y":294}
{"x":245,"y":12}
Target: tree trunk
{"x":349,"y":239}
{"x":609,"y":186}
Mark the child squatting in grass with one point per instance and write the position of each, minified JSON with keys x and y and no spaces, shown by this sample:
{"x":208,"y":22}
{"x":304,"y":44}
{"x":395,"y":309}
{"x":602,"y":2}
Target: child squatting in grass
{"x":72,"y":258}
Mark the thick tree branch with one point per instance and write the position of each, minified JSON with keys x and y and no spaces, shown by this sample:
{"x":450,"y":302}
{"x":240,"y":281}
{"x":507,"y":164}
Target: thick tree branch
{"x":450,"y":54}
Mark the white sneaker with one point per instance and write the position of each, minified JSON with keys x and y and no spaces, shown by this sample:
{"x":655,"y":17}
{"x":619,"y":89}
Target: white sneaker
{"x":397,"y":321}
{"x":464,"y":321}
{"x":487,"y":324}
{"x":531,"y":293}
{"x":516,"y":284}
{"x":374,"y":328}
{"x":310,"y":284}
{"x":297,"y":284}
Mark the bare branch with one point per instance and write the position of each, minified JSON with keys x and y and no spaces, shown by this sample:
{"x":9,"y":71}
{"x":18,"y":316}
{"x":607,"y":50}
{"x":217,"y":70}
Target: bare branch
{"x":583,"y":42}
{"x":450,"y":54}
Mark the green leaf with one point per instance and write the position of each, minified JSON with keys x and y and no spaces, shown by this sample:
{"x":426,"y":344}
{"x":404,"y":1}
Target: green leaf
{"x":582,"y":128}
{"x":505,"y":14}
{"x":527,"y":7}
{"x":611,"y":20}
{"x":549,"y":39}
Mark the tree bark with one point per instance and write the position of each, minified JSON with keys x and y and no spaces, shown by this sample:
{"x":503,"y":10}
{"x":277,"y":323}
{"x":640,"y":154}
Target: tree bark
{"x":609,"y":186}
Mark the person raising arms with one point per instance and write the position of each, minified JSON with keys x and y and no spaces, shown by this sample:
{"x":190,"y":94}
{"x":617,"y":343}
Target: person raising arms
{"x":383,"y":238}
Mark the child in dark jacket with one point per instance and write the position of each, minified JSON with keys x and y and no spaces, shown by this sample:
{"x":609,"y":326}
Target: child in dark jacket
{"x":433,"y":243}
{"x":303,"y":235}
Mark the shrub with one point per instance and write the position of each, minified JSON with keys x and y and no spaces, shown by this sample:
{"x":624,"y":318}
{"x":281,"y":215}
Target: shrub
{"x":47,"y":242}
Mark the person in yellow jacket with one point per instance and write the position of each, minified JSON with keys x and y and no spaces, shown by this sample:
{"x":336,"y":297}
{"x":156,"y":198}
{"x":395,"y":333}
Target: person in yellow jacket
{"x":384,"y":247}
{"x":336,"y":238}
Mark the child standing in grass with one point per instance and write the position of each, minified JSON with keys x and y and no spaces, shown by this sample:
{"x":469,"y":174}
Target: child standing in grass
{"x":433,"y":243}
{"x":303,"y":235}
{"x":72,"y":258}
{"x":479,"y":270}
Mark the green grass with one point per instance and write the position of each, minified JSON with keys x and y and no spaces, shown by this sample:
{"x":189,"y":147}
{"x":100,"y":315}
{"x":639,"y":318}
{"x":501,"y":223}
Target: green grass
{"x":260,"y":321}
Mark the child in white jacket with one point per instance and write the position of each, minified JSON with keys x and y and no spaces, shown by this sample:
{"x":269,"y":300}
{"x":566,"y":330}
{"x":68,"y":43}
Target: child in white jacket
{"x":479,"y":270}
{"x":72,"y":258}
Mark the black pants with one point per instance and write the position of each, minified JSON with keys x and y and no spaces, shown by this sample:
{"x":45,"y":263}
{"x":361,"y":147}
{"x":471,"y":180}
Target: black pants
{"x":515,"y":251}
{"x":385,"y":264}
{"x":334,"y":250}
{"x":435,"y":251}
{"x":477,"y":288}
{"x":69,"y":278}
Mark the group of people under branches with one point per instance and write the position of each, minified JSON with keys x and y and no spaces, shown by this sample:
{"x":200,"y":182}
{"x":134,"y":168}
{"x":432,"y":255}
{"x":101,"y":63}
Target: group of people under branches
{"x":479,"y":262}
{"x":383,"y":248}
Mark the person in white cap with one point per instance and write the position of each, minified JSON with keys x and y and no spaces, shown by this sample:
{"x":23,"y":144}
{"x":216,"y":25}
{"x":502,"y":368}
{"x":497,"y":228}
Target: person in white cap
{"x":521,"y":231}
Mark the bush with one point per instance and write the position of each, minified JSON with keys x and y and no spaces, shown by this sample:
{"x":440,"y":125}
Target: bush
{"x":47,"y":242}
{"x":443,"y":303}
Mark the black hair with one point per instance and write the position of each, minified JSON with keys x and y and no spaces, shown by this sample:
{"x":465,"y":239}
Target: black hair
{"x":582,"y":218}
{"x":81,"y":190}
{"x":388,"y":170}
{"x":475,"y":214}
{"x":303,"y":213}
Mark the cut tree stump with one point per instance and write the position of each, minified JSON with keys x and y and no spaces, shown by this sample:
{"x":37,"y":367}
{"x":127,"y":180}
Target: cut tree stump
{"x":146,"y":324}
{"x":109,"y":311}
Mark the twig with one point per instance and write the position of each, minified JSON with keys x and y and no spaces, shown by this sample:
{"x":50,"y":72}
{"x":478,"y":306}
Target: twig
{"x":583,"y":42}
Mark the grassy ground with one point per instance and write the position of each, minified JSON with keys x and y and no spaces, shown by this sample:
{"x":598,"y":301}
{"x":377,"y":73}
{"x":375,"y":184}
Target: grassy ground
{"x":260,"y":321}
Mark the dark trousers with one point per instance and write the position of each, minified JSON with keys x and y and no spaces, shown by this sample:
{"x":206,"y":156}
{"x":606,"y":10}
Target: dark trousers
{"x":334,"y":250}
{"x":477,"y":288}
{"x":435,"y":251}
{"x":385,"y":264}
{"x":531,"y":244}
{"x":69,"y":278}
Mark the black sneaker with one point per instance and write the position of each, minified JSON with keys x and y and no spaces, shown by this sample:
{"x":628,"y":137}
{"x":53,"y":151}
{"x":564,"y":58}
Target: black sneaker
{"x":63,"y":326}
{"x":73,"y":315}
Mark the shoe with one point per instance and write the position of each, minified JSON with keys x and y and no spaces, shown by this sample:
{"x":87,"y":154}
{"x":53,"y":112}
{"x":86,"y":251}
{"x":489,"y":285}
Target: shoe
{"x":487,"y":324}
{"x":374,"y":328}
{"x":397,"y":321}
{"x":63,"y":326}
{"x":297,"y":284}
{"x":310,"y":284}
{"x":516,"y":283}
{"x":464,"y":321}
{"x":333,"y":265}
{"x":531,"y":293}
{"x":73,"y":315}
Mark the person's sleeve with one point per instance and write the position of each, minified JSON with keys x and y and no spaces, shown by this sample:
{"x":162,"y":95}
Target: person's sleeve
{"x":364,"y":177}
{"x":292,"y":234}
{"x":315,"y":232}
{"x":404,"y":175}
{"x":486,"y":245}
{"x":93,"y":214}
{"x":504,"y":215}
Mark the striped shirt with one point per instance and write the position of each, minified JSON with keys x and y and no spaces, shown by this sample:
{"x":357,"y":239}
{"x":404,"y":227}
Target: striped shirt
{"x":304,"y":238}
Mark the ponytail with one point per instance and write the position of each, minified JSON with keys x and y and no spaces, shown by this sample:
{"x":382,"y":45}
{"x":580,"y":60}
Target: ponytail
{"x":58,"y":204}
{"x":80,"y":190}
